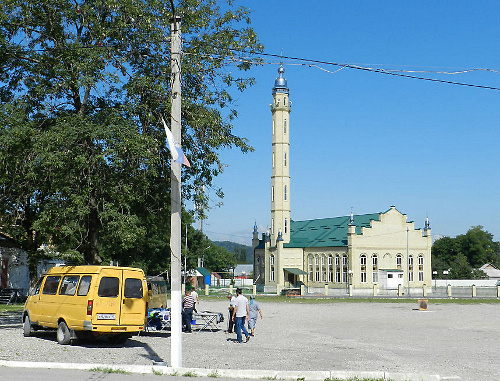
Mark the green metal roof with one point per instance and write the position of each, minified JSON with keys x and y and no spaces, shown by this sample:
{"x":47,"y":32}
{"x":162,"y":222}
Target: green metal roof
{"x":203,"y":271}
{"x":326,"y":232}
{"x":295,"y":271}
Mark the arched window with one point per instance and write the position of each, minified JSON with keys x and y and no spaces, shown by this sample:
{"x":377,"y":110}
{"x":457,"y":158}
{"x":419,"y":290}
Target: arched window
{"x":316,"y":268}
{"x":410,"y":268}
{"x":284,"y":193}
{"x":323,"y":268}
{"x":311,"y":267}
{"x":420,"y":268}
{"x":398,"y":261}
{"x":330,"y":268}
{"x":338,"y":270}
{"x":272,"y":225}
{"x":271,"y":267}
{"x":273,"y":159}
{"x":272,"y":194}
{"x":284,"y":126}
{"x":363,"y":268}
{"x":344,"y":268}
{"x":374,"y":268}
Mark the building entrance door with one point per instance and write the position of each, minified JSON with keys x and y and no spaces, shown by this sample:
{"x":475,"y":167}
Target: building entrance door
{"x":3,"y":275}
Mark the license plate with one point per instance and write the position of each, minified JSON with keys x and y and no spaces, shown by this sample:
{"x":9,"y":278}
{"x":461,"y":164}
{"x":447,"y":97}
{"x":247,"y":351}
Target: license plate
{"x":106,"y":316}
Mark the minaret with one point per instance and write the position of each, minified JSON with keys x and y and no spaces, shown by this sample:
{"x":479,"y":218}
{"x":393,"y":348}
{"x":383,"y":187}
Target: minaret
{"x":427,"y":228}
{"x":280,"y":178}
{"x":255,"y":236}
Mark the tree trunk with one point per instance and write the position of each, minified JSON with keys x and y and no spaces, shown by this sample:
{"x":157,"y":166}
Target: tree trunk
{"x":91,"y":253}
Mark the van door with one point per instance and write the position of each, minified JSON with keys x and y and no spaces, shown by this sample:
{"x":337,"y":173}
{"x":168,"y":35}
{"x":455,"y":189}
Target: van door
{"x":134,"y":298}
{"x":49,"y":302}
{"x":107,"y":298}
{"x":33,"y":301}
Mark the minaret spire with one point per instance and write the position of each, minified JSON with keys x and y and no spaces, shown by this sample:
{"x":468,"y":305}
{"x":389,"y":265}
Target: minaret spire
{"x":280,"y":178}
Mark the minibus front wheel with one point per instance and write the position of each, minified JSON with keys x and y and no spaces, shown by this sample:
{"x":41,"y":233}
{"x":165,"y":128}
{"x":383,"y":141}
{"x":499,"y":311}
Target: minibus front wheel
{"x":63,"y":333}
{"x":27,"y":327}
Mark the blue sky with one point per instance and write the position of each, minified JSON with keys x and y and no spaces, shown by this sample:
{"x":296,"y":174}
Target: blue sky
{"x":364,"y":140}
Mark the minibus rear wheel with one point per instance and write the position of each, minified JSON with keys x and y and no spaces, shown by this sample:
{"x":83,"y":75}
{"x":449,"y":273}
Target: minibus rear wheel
{"x":63,"y":333}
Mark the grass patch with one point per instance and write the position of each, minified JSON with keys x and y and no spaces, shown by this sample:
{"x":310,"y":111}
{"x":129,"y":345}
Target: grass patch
{"x":378,"y":299}
{"x":109,"y":370}
{"x":11,"y":307}
{"x":157,"y":372}
{"x":357,"y":379}
{"x":214,"y":374}
{"x":190,"y":374}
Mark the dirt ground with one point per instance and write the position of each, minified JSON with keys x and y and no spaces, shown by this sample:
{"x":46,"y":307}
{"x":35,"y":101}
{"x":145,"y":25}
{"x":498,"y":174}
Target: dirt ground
{"x":447,"y":339}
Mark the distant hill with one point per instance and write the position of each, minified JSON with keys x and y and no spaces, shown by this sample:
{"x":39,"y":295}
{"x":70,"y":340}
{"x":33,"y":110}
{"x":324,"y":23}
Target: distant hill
{"x":233,"y":247}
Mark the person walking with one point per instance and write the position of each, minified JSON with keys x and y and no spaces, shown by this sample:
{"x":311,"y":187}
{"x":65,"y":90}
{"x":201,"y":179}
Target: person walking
{"x":253,"y":313}
{"x":230,"y":323}
{"x":196,"y":299}
{"x":240,"y":314}
{"x":187,"y":311}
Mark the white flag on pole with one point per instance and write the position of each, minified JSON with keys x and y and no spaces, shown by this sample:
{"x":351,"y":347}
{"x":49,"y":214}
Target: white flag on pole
{"x":175,"y":148}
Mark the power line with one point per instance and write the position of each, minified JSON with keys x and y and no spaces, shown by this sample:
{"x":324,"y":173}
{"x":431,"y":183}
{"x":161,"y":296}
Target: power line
{"x":398,"y":73}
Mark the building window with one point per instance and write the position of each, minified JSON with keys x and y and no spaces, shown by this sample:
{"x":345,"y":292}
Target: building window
{"x":286,"y":225}
{"x":272,"y":194}
{"x":420,"y":268}
{"x":323,"y":268}
{"x":363,"y":269}
{"x":273,"y":127}
{"x":284,"y":126}
{"x":271,"y":267}
{"x":284,"y":159}
{"x":398,"y":261}
{"x":344,"y":268}
{"x":311,"y":268}
{"x":337,"y":269}
{"x":410,"y":268}
{"x":330,"y":268}
{"x":316,"y":268}
{"x":284,"y":193}
{"x":273,"y":158}
{"x":374,"y":268}
{"x":272,"y":225}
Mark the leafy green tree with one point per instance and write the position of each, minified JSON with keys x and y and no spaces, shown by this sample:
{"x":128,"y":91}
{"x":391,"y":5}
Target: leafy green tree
{"x":460,"y":268}
{"x":464,"y":254}
{"x":477,"y":244}
{"x":83,"y":87}
{"x":219,"y":259}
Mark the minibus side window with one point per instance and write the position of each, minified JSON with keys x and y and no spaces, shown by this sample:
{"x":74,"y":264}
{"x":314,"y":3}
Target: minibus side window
{"x":68,"y":285}
{"x":36,"y":290}
{"x":108,"y":287}
{"x":51,"y":285}
{"x":84,"y":287}
{"x":133,"y":288}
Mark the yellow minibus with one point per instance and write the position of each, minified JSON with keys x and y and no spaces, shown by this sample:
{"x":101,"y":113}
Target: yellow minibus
{"x":88,"y":300}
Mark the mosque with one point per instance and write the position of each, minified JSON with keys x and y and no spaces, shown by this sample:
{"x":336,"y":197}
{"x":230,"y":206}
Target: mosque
{"x":355,"y":253}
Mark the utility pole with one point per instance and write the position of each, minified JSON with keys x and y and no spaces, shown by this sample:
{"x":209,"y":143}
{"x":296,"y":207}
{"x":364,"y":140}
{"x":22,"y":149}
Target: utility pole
{"x":175,"y":201}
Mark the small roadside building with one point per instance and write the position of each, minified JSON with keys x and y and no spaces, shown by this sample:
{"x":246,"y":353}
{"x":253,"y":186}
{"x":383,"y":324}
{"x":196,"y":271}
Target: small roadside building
{"x":491,"y":271}
{"x":14,"y":266}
